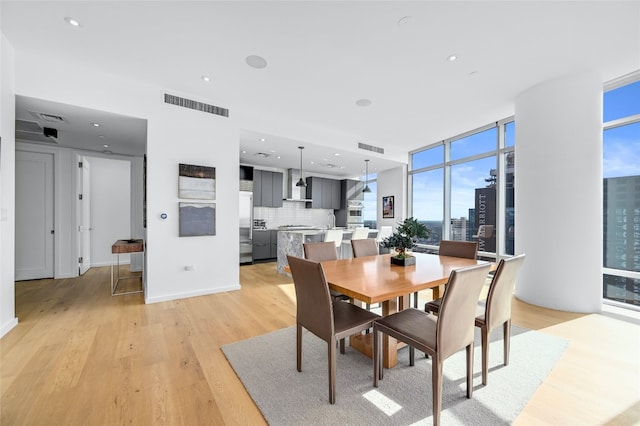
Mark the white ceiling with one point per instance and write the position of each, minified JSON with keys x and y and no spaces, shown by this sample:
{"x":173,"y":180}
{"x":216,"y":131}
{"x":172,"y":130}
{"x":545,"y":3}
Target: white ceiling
{"x":324,"y":56}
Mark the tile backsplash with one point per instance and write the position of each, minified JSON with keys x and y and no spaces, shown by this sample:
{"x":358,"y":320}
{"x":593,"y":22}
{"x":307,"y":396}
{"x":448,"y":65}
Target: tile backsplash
{"x":292,"y":213}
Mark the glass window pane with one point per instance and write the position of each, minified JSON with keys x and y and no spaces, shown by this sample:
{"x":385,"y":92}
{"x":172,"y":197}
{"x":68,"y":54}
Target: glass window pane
{"x":621,"y":289}
{"x":427,"y":203}
{"x":621,"y":102}
{"x":476,"y":143}
{"x":473,"y":203}
{"x":428,"y":157}
{"x":510,"y":211}
{"x":510,"y":134}
{"x":621,"y":191}
{"x":370,"y":211}
{"x":621,"y":151}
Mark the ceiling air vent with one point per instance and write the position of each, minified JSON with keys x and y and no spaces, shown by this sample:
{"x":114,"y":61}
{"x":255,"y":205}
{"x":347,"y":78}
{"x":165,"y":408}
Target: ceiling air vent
{"x":262,"y":154}
{"x":370,"y":148}
{"x":28,"y":126}
{"x":199,"y":106}
{"x":52,"y":118}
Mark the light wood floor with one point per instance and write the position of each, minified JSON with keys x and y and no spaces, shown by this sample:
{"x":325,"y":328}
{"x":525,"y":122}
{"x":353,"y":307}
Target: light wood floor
{"x":81,"y":357}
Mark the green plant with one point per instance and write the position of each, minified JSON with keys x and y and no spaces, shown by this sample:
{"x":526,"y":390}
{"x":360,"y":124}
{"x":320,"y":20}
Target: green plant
{"x":406,"y":236}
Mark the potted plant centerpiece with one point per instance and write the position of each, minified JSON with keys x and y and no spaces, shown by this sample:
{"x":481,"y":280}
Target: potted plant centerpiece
{"x":405,"y":238}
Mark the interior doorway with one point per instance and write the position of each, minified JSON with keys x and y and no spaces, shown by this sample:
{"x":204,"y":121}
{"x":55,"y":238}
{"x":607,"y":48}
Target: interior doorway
{"x":35,"y":219}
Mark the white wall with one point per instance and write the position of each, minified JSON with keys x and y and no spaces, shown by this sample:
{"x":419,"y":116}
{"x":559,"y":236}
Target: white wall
{"x":110,"y":207}
{"x":393,"y":182}
{"x":175,"y":135}
{"x":8,"y":319}
{"x":558,"y":193}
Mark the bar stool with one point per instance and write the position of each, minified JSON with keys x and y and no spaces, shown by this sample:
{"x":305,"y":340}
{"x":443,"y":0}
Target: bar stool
{"x":335,"y":235}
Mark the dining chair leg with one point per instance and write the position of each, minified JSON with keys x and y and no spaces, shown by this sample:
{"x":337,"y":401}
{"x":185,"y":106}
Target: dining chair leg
{"x":507,"y":340}
{"x":332,"y":370}
{"x":470,"y":370}
{"x":299,"y":347}
{"x":342,"y":346}
{"x":436,"y":378}
{"x":376,"y":357}
{"x":412,"y":356}
{"x":415,"y":300}
{"x":484,"y":332}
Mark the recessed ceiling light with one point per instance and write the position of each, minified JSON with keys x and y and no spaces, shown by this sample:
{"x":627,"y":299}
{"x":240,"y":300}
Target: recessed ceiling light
{"x":106,"y":146}
{"x":205,"y":78}
{"x":262,"y":139}
{"x":336,"y":154}
{"x":101,"y":136}
{"x":255,"y":61}
{"x":72,"y":21}
{"x":243,"y":151}
{"x":405,"y":20}
{"x":95,"y":124}
{"x":452,"y":58}
{"x":363,"y":102}
{"x":278,"y":157}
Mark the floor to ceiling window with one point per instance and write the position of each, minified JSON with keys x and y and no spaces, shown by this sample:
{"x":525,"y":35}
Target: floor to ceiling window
{"x":621,"y":191}
{"x":462,"y":189}
{"x":370,"y":210}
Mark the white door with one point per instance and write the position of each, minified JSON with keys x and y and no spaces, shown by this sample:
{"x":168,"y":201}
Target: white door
{"x":34,"y":215}
{"x":84,"y":209}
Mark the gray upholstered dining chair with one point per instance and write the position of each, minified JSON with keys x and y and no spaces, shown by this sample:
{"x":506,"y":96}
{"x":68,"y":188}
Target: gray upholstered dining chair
{"x":319,"y":252}
{"x":496,"y":310}
{"x":332,"y":322}
{"x":364,"y":247}
{"x":465,"y":249}
{"x":440,"y":336}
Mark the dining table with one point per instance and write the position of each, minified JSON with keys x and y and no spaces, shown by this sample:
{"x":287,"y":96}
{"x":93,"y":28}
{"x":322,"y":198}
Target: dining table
{"x":374,"y":279}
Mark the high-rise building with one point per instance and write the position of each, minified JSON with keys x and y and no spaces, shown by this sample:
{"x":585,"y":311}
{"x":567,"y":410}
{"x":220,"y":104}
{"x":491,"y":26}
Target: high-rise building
{"x":622,"y":237}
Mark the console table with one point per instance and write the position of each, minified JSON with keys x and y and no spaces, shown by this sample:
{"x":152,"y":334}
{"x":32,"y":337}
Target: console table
{"x":125,"y":247}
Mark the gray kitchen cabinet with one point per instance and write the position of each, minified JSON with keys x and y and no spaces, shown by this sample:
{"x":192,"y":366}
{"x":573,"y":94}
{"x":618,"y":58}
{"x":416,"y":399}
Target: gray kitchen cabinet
{"x":327,"y":196}
{"x":267,"y":188}
{"x":314,"y":192}
{"x":257,"y":188}
{"x":266,"y":197}
{"x":276,"y":189}
{"x":336,"y":194}
{"x":261,"y":244}
{"x":324,"y":193}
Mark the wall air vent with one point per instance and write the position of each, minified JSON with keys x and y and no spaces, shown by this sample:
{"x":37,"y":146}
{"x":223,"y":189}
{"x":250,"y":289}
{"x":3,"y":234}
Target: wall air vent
{"x":370,"y":148}
{"x":199,"y":106}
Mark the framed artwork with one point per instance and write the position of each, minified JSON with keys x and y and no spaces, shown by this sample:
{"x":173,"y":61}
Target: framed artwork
{"x":197,"y":219}
{"x":387,"y":207}
{"x":197,"y":182}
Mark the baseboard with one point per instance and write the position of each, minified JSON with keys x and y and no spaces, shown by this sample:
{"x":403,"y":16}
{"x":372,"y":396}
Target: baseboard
{"x":177,"y":296}
{"x":8,"y":326}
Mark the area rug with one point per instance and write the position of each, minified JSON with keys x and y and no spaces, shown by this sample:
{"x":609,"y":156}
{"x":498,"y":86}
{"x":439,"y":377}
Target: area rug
{"x":266,"y":365}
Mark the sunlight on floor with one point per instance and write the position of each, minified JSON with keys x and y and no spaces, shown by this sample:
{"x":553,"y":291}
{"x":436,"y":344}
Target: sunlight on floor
{"x":386,"y":405}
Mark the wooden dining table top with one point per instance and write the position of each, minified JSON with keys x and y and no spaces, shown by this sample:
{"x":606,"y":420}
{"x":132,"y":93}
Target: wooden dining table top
{"x":374,"y":279}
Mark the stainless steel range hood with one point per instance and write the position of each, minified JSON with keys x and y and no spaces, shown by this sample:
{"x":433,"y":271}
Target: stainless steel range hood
{"x":291,"y":191}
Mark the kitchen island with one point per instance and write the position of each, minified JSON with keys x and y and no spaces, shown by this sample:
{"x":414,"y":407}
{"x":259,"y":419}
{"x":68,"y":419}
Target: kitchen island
{"x":290,"y":243}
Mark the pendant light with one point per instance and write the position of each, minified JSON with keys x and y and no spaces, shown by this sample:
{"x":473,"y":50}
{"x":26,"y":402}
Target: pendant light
{"x":301,"y":182}
{"x":366,"y":184}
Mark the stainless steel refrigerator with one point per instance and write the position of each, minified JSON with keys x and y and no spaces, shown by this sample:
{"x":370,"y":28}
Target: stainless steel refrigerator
{"x":246,"y":226}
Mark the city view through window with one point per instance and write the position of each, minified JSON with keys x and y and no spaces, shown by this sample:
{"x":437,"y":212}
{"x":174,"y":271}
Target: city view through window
{"x":621,"y":193}
{"x":469,"y":175}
